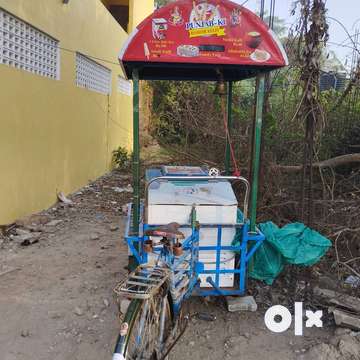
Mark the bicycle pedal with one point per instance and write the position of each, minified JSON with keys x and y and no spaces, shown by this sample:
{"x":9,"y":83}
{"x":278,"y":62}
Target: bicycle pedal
{"x":142,"y":283}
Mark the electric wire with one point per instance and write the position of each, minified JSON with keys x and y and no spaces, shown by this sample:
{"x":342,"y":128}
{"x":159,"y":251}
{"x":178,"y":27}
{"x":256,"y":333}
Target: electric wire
{"x":262,"y":9}
{"x":273,"y":13}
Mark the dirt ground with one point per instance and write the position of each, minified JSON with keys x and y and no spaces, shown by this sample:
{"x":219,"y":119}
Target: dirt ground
{"x":56,"y":298}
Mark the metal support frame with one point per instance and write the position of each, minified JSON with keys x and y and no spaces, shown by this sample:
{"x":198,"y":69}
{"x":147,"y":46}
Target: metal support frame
{"x":196,"y":268}
{"x":256,"y":151}
{"x":256,"y":148}
{"x":136,"y":152}
{"x":229,"y":128}
{"x":250,"y":242}
{"x":189,"y":265}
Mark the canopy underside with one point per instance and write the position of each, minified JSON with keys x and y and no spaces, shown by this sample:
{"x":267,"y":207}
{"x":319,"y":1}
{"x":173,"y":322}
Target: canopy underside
{"x":194,"y":72}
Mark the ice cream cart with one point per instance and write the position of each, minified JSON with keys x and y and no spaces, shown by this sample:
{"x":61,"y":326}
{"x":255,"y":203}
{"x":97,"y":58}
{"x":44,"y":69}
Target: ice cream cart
{"x":181,"y":231}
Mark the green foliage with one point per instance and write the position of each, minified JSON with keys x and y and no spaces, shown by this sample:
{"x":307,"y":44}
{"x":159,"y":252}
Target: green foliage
{"x":188,"y":116}
{"x":161,"y":3}
{"x":342,"y":128}
{"x":181,"y":111}
{"x":121,"y":158}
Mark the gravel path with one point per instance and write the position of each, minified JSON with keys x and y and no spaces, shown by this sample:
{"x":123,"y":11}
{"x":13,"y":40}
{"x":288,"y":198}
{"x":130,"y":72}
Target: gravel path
{"x":56,"y":299}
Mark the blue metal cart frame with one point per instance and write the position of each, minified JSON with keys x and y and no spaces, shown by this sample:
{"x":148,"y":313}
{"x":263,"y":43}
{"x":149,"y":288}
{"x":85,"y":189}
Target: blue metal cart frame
{"x":180,"y":289}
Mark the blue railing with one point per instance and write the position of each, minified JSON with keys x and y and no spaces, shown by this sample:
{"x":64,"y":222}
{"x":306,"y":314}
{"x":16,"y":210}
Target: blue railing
{"x":188,"y":263}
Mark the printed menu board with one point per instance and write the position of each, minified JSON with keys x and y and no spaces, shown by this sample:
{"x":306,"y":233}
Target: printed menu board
{"x":204,"y":31}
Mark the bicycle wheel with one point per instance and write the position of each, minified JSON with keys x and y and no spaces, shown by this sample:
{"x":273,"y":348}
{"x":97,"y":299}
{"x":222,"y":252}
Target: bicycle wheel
{"x":147,"y":324}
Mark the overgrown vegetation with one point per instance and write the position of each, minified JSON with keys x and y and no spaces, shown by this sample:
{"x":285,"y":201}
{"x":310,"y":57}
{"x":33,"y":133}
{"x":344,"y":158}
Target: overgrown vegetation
{"x":187,"y":120}
{"x":121,"y":158}
{"x":187,"y":115}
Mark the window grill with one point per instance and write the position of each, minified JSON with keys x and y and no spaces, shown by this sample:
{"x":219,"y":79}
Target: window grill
{"x":24,"y":47}
{"x":124,"y":86}
{"x":92,"y":76}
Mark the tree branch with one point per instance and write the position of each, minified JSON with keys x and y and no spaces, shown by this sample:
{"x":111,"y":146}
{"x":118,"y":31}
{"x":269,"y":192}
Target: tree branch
{"x":332,"y":163}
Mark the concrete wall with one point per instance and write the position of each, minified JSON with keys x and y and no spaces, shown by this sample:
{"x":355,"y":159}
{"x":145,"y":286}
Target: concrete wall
{"x":55,"y":136}
{"x":137,"y":10}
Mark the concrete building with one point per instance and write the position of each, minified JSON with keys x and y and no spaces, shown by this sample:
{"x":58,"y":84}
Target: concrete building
{"x":64,"y":104}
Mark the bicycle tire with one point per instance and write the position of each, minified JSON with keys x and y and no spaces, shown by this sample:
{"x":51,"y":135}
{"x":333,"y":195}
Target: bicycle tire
{"x":129,"y":318}
{"x":133,"y":315}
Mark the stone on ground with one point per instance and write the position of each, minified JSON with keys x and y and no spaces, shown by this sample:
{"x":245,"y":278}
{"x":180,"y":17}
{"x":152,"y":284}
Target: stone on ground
{"x":245,"y":303}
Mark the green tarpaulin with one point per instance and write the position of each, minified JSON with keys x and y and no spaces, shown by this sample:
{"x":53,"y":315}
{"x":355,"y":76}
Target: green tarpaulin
{"x":292,"y":244}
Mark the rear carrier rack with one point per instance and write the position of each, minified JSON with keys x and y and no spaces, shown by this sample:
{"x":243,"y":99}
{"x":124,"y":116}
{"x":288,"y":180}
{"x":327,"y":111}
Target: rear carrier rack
{"x":142,"y":283}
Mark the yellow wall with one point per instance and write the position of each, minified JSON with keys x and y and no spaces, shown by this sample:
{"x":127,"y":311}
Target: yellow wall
{"x":139,"y":8}
{"x":55,"y":136}
{"x":108,"y":3}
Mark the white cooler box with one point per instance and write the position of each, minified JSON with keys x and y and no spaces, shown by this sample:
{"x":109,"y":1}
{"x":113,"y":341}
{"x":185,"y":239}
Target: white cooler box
{"x":215,"y":203}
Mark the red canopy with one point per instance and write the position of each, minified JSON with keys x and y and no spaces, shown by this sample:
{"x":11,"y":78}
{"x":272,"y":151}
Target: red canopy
{"x":198,"y":40}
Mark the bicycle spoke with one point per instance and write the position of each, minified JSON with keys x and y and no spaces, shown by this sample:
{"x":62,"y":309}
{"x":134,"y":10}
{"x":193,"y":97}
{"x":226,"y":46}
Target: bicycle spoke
{"x":143,"y":344}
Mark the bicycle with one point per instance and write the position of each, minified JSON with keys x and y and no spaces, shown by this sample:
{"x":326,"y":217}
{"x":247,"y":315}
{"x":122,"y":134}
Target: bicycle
{"x":170,"y":270}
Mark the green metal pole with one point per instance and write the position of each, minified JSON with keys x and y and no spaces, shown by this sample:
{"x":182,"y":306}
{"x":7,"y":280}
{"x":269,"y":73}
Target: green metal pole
{"x":256,"y":151}
{"x":229,"y":126}
{"x":136,"y":152}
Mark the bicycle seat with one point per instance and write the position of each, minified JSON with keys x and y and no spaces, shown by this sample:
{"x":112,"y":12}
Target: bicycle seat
{"x":168,"y":231}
